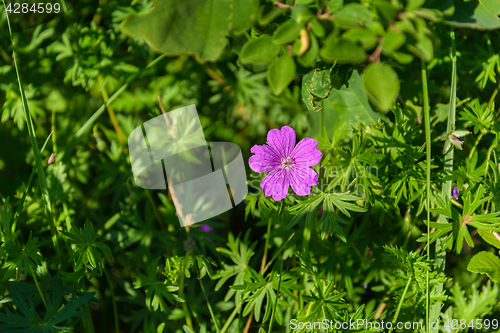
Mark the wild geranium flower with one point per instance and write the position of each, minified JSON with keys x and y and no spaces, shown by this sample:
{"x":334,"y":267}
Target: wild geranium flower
{"x":289,"y":164}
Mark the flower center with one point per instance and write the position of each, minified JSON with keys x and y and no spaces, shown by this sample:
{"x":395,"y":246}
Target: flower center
{"x":286,"y":163}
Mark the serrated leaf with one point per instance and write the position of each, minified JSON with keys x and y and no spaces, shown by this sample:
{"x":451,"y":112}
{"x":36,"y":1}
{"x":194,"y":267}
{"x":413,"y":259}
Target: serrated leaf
{"x":486,"y":263}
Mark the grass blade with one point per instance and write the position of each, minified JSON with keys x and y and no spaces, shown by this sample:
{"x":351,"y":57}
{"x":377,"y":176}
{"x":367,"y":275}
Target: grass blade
{"x":38,"y":159}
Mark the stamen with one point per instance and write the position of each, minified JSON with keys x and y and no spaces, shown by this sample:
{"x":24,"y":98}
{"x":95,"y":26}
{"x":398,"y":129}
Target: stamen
{"x":286,"y":163}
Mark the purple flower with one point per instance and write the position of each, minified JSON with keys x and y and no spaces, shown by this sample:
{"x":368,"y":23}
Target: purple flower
{"x":454,"y":193}
{"x":205,"y":228}
{"x":289,"y":164}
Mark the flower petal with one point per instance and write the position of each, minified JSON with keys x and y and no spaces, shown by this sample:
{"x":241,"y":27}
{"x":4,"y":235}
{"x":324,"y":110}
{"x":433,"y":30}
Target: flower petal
{"x":305,"y":153}
{"x":282,"y":141}
{"x":265,"y":159}
{"x":302,"y":178}
{"x":276,"y":183}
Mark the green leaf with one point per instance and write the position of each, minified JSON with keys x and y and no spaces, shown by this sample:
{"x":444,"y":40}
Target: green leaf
{"x":317,"y":28}
{"x":343,"y":51}
{"x":301,"y":14}
{"x":353,"y":15}
{"x":486,"y":263}
{"x":482,"y":15}
{"x":157,"y":291}
{"x":318,"y":83}
{"x":423,"y":48}
{"x":87,"y":254}
{"x":59,"y":310}
{"x":350,"y":102}
{"x":414,"y":4}
{"x":268,"y":13}
{"x":402,"y":58}
{"x":259,"y":50}
{"x":287,"y":32}
{"x":240,"y":253}
{"x":489,"y":237}
{"x":365,"y":37}
{"x":382,"y":85}
{"x":24,"y":259}
{"x":191,"y":26}
{"x":392,"y":41}
{"x":280,"y":73}
{"x":386,"y":11}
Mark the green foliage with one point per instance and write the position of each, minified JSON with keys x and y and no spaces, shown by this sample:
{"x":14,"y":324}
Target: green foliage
{"x":199,"y":28}
{"x":87,"y":257}
{"x":157,"y":291}
{"x":22,"y":259}
{"x":26,"y":318}
{"x":382,"y":85}
{"x":486,"y":263}
{"x":345,"y":73}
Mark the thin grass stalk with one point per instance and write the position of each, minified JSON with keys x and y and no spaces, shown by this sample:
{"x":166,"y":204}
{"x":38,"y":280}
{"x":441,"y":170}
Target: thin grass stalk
{"x":395,"y":320}
{"x":113,"y":299}
{"x":28,"y":186}
{"x":41,"y":173}
{"x":38,"y":287}
{"x":208,"y":302}
{"x":428,"y":181}
{"x":185,"y":307}
{"x":277,"y":297}
{"x":440,"y":255}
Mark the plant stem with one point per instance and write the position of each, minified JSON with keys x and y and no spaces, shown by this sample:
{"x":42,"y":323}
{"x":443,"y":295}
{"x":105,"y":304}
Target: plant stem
{"x":90,"y":322}
{"x":276,"y":301}
{"x":493,"y":96}
{"x":400,"y":304}
{"x":63,"y":4}
{"x":112,"y":116}
{"x":231,"y":317}
{"x":113,"y":299}
{"x":53,"y":125}
{"x":208,"y":305}
{"x":475,"y":144}
{"x":28,"y":186}
{"x":268,"y":235}
{"x":189,"y":322}
{"x":38,"y":287}
{"x":41,"y":173}
{"x":489,"y":154}
{"x":428,"y":180}
{"x":440,"y":255}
